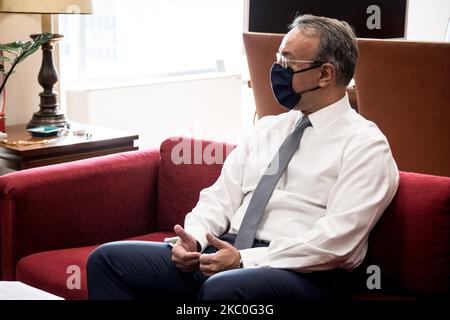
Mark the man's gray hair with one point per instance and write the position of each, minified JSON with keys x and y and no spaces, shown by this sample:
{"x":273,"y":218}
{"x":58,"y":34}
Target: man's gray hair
{"x":337,"y":44}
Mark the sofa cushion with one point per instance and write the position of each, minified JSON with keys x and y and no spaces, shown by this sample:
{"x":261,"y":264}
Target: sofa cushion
{"x":411,"y":242}
{"x":187,"y":167}
{"x":48,"y":270}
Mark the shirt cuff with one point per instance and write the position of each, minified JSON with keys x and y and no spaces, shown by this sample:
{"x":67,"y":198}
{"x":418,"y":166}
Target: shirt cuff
{"x":254,"y":257}
{"x":199,"y":234}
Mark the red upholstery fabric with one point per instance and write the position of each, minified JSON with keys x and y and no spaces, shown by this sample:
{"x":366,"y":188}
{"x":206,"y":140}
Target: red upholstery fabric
{"x":48,"y":270}
{"x":76,"y":204}
{"x":411,"y":242}
{"x":180,"y":184}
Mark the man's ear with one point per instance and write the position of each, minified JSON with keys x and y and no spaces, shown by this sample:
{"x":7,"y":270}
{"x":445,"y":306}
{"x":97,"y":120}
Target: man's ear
{"x":327,"y":74}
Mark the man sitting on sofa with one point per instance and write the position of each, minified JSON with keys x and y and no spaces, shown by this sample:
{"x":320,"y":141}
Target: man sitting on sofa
{"x":286,"y":219}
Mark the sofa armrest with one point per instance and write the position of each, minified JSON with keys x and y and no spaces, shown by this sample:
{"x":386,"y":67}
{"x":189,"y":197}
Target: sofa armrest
{"x":77,"y":204}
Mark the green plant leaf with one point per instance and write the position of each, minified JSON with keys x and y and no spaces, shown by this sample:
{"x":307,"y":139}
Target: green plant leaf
{"x":31,"y":47}
{"x":14,"y":52}
{"x":27,"y":54}
{"x":4,"y":58}
{"x":42,"y":38}
{"x":14,"y":46}
{"x":27,"y":45}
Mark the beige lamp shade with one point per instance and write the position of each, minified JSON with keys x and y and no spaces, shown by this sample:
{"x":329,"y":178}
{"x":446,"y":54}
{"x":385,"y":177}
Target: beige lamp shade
{"x":46,"y":6}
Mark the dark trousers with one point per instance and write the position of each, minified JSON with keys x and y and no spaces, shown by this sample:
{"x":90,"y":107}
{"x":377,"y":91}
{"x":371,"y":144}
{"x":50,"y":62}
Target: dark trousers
{"x":140,"y":270}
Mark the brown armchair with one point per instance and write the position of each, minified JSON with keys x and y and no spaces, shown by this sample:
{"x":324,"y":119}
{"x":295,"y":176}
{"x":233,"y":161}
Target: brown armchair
{"x":400,"y":85}
{"x":403,"y":87}
{"x":260,"y":49}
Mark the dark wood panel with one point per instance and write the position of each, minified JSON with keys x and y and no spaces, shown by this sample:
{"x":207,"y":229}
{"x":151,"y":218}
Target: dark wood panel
{"x":99,"y":137}
{"x":33,"y":163}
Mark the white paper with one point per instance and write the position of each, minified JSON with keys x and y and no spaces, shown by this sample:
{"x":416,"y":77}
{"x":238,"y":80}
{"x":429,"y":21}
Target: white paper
{"x":16,"y":290}
{"x":171,"y":240}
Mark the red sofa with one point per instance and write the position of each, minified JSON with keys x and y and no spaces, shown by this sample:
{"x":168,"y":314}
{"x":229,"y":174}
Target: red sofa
{"x":52,"y":217}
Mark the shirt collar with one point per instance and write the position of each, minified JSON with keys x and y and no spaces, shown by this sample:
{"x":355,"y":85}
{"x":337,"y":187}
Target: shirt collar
{"x":326,"y":116}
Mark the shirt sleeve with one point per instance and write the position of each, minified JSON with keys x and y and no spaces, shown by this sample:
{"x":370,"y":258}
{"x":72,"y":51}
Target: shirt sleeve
{"x":218,"y":203}
{"x":367,"y":182}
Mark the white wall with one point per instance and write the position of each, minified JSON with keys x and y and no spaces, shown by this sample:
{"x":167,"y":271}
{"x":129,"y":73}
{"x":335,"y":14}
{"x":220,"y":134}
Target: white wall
{"x":427,"y":19}
{"x":22,"y":89}
{"x":202,"y":108}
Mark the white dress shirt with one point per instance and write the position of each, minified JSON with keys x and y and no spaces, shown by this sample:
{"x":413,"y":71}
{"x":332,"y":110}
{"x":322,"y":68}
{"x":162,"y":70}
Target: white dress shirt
{"x":335,"y":188}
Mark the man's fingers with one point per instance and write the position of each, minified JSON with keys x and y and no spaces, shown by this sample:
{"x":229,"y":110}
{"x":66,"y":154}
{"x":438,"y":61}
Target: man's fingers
{"x":208,"y":270}
{"x":188,"y":265}
{"x":192,"y":262}
{"x":207,"y":258}
{"x":181,"y":233}
{"x":184,"y":255}
{"x":186,"y":261}
{"x":216,"y":242}
{"x":180,"y":254}
{"x":185,"y":265}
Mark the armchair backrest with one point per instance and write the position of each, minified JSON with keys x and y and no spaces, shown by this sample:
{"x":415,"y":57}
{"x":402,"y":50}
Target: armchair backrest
{"x":403,"y":86}
{"x":187,"y":166}
{"x":260,"y":49}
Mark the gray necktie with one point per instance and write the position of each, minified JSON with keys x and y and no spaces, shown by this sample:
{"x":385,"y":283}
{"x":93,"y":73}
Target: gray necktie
{"x":266,"y":185}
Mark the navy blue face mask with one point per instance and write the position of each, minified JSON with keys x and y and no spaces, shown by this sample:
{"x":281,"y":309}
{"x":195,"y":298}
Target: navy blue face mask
{"x":281,"y":79}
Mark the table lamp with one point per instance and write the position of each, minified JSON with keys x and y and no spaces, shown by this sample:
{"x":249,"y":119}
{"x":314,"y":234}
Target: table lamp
{"x":49,"y":113}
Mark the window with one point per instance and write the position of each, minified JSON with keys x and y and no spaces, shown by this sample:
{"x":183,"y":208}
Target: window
{"x":142,"y":39}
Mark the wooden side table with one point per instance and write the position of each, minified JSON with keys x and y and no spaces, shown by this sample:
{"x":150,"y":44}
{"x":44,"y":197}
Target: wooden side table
{"x":97,"y":141}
